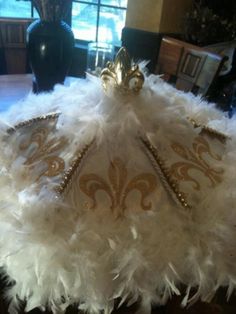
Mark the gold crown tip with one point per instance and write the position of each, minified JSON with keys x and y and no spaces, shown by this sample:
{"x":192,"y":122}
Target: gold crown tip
{"x":122,"y":54}
{"x":121,"y":75}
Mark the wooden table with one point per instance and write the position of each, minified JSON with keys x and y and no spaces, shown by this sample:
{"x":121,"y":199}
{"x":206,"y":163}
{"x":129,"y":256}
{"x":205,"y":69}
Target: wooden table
{"x":15,"y":87}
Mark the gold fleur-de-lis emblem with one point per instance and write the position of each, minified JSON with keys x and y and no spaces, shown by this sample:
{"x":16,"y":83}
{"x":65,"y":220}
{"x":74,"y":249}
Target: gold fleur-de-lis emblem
{"x":40,"y":149}
{"x":118,"y":186}
{"x":195,"y":161}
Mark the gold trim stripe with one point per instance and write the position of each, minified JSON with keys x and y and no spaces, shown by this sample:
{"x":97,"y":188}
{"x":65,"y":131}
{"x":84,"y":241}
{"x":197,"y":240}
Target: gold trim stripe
{"x":50,"y":116}
{"x":172,"y":184}
{"x":209,"y":131}
{"x":68,"y":174}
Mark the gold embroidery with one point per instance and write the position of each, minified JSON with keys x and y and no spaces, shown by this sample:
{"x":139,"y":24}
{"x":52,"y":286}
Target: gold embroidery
{"x":195,"y":160}
{"x":68,"y":175}
{"x":169,"y":183}
{"x":41,"y":150}
{"x":117,"y":174}
{"x":118,"y":188}
{"x":145,"y":183}
{"x":50,"y":116}
{"x":91,"y":183}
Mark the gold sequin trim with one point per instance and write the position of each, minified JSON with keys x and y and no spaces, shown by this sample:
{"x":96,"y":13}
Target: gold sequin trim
{"x":209,"y":131}
{"x":70,"y":172}
{"x":172,"y":185}
{"x":50,"y":116}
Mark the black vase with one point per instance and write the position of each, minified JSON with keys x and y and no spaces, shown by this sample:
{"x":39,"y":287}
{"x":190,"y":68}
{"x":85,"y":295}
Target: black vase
{"x":50,"y":49}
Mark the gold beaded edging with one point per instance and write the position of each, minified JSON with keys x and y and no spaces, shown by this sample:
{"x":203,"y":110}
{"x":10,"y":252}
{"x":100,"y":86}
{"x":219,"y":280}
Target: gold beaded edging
{"x":69,"y":173}
{"x":170,"y":184}
{"x":50,"y":116}
{"x":212,"y":132}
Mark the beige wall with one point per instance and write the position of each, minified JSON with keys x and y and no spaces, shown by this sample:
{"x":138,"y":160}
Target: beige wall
{"x":157,"y":15}
{"x":144,"y":14}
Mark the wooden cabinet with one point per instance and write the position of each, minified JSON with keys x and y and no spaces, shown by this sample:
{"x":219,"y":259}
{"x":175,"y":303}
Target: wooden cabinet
{"x":13,"y":45}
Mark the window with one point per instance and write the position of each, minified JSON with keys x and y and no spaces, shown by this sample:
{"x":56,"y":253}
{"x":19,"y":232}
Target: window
{"x":92,"y":20}
{"x":17,"y":9}
{"x":99,"y":20}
